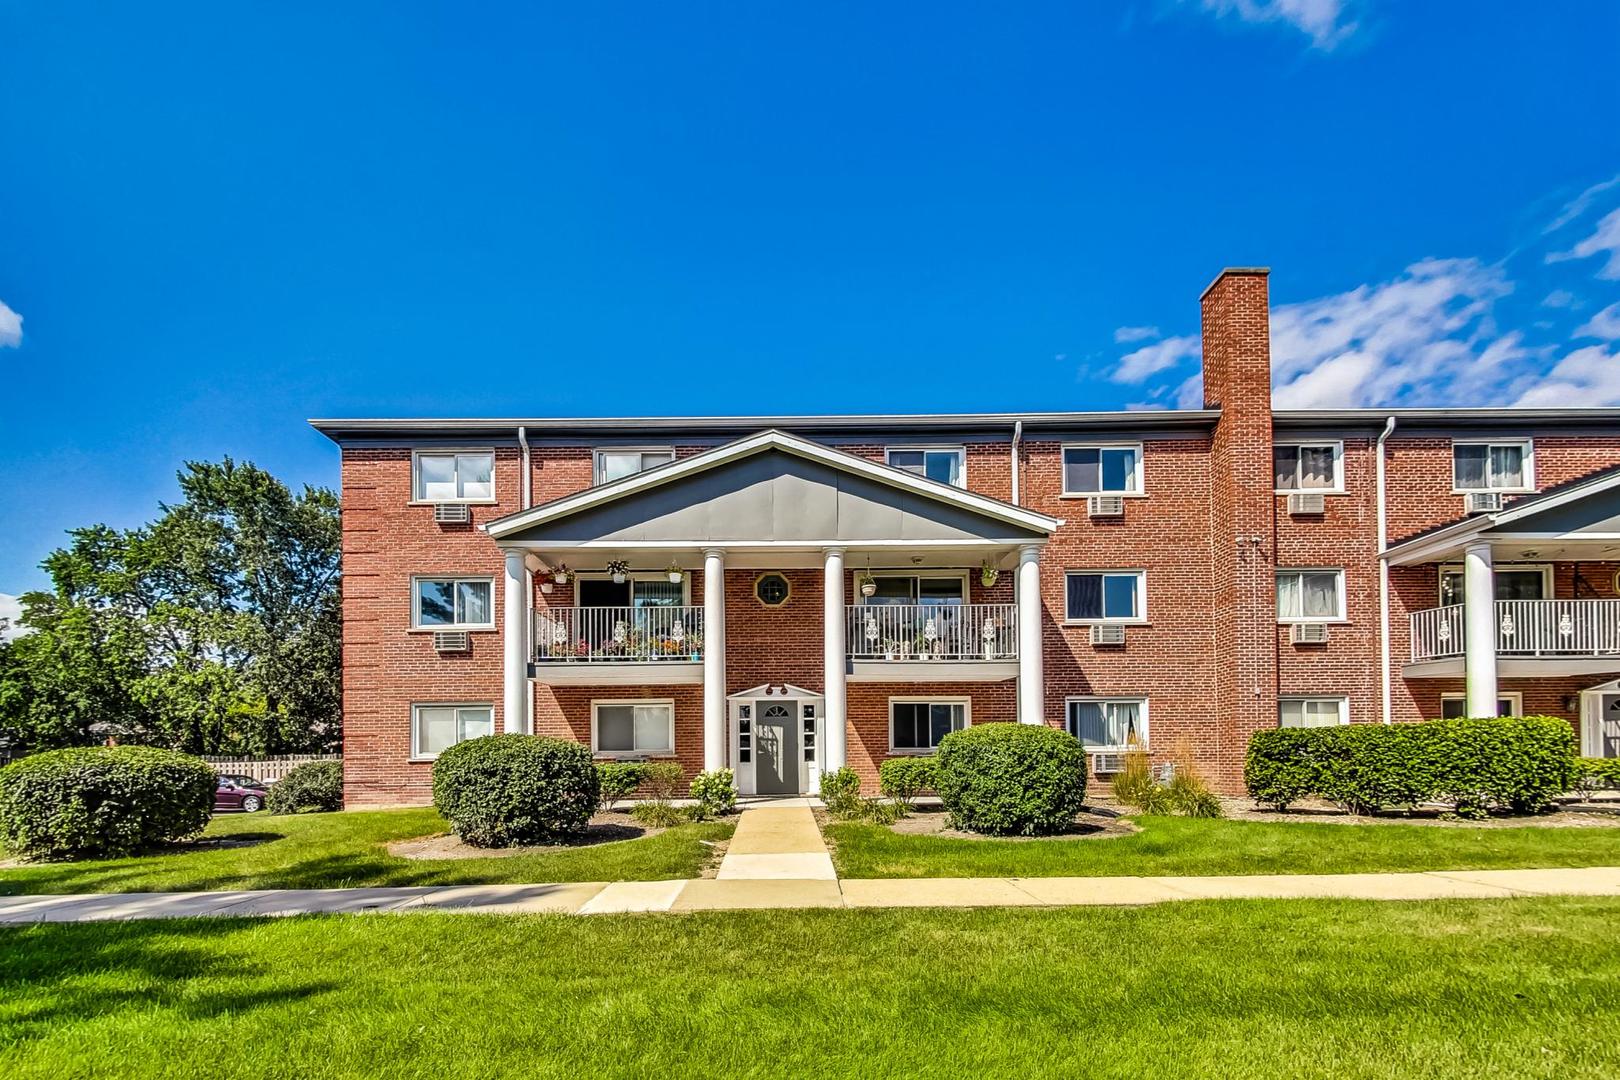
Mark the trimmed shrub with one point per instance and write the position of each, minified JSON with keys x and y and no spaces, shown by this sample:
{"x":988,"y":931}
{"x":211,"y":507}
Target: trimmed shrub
{"x":904,"y":778}
{"x":1596,"y":774}
{"x":505,"y":790}
{"x":314,"y":785}
{"x":841,"y":792}
{"x":103,"y":800}
{"x":1012,"y":779}
{"x":715,"y":792}
{"x":617,"y":780}
{"x":1475,"y":765}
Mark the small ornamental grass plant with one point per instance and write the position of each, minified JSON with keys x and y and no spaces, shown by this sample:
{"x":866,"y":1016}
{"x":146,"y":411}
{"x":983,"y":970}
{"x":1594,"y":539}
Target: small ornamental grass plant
{"x":661,"y":780}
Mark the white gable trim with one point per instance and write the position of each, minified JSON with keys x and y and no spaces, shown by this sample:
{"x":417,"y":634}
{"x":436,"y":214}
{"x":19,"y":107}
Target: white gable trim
{"x":758,"y":443}
{"x":769,"y":690}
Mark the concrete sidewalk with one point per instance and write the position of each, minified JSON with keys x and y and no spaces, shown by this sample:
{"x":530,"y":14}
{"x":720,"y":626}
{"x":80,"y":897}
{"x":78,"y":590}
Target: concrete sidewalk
{"x":597,"y":898}
{"x":778,"y":842}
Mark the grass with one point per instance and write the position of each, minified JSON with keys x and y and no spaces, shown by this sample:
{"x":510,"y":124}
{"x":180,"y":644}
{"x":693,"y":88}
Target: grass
{"x":315,"y":851}
{"x":1331,"y":989}
{"x":1188,"y":846}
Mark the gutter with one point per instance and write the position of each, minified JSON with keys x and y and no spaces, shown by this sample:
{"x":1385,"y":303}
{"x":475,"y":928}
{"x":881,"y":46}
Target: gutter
{"x":1383,"y":579}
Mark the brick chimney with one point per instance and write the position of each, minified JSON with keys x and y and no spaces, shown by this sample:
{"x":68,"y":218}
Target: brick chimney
{"x":1237,"y":381}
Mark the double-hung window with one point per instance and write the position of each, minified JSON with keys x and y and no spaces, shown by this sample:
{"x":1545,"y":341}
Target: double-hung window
{"x":1492,"y":466}
{"x":1308,"y":466}
{"x":1105,"y":596}
{"x":1108,"y":723}
{"x":1102,"y":470}
{"x":617,"y":464}
{"x":630,"y":728}
{"x":453,"y":476}
{"x":944,"y":465}
{"x":436,"y":728}
{"x":1310,"y":595}
{"x":1313,"y":711}
{"x":917,"y":724}
{"x":451,"y":603}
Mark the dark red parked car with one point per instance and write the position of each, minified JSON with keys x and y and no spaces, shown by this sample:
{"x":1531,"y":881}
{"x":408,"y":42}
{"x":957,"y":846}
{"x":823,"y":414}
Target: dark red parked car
{"x":239,"y":793}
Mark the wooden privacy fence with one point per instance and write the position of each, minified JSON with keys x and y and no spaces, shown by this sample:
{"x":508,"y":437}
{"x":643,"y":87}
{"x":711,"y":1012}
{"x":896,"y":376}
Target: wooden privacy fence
{"x":268,"y":769}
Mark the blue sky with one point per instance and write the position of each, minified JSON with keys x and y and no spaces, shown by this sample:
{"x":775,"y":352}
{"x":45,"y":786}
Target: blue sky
{"x":218,"y":220}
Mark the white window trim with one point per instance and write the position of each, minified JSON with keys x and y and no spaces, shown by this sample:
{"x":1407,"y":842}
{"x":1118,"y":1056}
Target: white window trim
{"x":597,"y":703}
{"x":1104,"y":699}
{"x":960,"y":575}
{"x":1515,"y":696}
{"x":596,"y":459}
{"x":635,"y":575}
{"x":1337,"y":487}
{"x":1341,"y":700}
{"x":417,"y":753}
{"x":416,"y":603}
{"x":438,"y":451}
{"x":1290,"y":620}
{"x":1141,"y":597}
{"x":1457,"y":568}
{"x":958,"y":449}
{"x":924,"y":699}
{"x":1529,"y":484}
{"x":1138,"y":490}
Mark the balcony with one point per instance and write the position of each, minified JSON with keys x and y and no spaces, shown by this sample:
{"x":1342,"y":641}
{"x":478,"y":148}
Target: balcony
{"x":1529,"y":633}
{"x":626,"y":645}
{"x":932,"y":642}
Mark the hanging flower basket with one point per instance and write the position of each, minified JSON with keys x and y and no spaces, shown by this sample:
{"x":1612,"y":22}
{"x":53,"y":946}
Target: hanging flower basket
{"x":560,"y":575}
{"x":674,"y":573}
{"x":546,"y":587}
{"x":988,"y":573}
{"x":620,"y":570}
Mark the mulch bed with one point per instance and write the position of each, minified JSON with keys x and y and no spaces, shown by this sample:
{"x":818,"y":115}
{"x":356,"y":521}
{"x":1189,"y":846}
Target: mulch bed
{"x":606,"y":828}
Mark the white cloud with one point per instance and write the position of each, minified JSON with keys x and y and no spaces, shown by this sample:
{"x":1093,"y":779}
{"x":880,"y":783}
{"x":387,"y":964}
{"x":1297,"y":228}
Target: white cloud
{"x":1560,"y":298}
{"x":1326,"y":22}
{"x":1580,"y":204}
{"x":1604,"y":241}
{"x":1605,"y":324}
{"x":10,"y":613}
{"x":1152,"y":359}
{"x":10,"y":327}
{"x":1135,"y":333}
{"x":1589,"y":376}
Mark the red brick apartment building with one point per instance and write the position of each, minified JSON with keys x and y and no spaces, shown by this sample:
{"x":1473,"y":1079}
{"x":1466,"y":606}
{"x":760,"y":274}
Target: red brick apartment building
{"x":787,"y":595}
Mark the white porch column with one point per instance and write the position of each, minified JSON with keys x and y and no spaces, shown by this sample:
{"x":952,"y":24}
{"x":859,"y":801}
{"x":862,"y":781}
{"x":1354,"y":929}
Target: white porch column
{"x":1031,"y":678}
{"x":1479,"y":622}
{"x":714,"y":659}
{"x":834,"y":676}
{"x":515,"y":645}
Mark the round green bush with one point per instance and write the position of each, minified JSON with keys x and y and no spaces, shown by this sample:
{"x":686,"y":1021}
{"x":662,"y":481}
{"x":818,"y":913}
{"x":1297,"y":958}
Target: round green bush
{"x":904,"y":778}
{"x":1011,"y":779}
{"x":715,"y":792}
{"x":314,"y":785}
{"x":103,"y":800}
{"x":506,"y":790}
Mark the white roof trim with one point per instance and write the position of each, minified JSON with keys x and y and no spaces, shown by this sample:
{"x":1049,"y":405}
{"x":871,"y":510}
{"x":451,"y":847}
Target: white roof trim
{"x":759,"y":692}
{"x":758,"y":443}
{"x":1413,"y":550}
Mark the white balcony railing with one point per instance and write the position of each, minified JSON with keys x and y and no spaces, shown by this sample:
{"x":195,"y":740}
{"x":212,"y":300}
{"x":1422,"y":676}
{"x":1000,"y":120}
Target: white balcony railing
{"x":932,"y":632}
{"x":1550,"y":628}
{"x":618,"y":635}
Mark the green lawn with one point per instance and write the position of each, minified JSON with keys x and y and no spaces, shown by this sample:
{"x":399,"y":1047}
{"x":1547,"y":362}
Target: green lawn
{"x":1181,"y":846}
{"x":1331,"y":989}
{"x":310,"y":851}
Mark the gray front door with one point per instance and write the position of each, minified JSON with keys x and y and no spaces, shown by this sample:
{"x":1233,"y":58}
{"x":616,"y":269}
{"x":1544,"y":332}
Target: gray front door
{"x":776,"y":765}
{"x":1609,"y":725}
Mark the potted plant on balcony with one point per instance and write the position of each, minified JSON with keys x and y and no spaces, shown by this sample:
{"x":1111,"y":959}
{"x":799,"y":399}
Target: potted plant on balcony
{"x":673,"y":572}
{"x":866,"y":583}
{"x":890,"y":648}
{"x":694,"y":642}
{"x":988,"y":573}
{"x":619,"y":569}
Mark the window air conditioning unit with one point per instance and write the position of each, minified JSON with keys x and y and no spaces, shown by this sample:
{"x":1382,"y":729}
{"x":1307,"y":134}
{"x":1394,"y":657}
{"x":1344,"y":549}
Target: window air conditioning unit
{"x":1107,"y":634}
{"x":1105,"y":506}
{"x":1482,"y":502}
{"x":1107,"y":764}
{"x":1306,"y":502}
{"x":450,"y":640}
{"x":451,"y":513}
{"x":1309,"y":633}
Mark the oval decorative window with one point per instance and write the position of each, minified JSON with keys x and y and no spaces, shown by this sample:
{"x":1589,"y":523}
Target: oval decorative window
{"x":772,"y":590}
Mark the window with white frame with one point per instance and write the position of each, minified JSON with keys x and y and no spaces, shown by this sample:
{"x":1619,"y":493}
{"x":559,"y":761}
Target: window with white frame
{"x":436,"y":728}
{"x":1102,"y":470}
{"x":1105,"y":596}
{"x":617,"y":464}
{"x":917,"y":724}
{"x":630,"y":728}
{"x":453,"y":476}
{"x":1511,"y":583}
{"x":451,"y":603}
{"x":1455,"y":706}
{"x":1308,"y":466}
{"x":1305,"y":712}
{"x":944,"y":464}
{"x":1310,"y":595}
{"x":1108,"y":723}
{"x":1492,"y":466}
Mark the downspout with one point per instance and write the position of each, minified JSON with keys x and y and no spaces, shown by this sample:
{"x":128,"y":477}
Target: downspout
{"x":1383,"y":579}
{"x":528,"y":580}
{"x":528,"y":481}
{"x":1017,"y":441}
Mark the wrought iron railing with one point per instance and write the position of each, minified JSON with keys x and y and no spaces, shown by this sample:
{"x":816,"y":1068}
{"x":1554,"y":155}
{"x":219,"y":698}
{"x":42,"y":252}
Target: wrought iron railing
{"x":932,"y":632}
{"x":1549,"y":628}
{"x":618,"y":634}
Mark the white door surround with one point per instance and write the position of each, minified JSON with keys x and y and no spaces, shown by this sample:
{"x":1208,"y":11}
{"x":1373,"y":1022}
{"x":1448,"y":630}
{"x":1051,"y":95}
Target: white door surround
{"x":805,"y":743}
{"x":1600,"y":720}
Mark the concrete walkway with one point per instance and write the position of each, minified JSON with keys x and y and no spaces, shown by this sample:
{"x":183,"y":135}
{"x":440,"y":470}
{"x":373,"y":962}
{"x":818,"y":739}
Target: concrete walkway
{"x":776,"y":843}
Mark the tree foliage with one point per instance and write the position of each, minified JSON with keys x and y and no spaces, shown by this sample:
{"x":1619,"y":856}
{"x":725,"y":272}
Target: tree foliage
{"x":214,"y":629}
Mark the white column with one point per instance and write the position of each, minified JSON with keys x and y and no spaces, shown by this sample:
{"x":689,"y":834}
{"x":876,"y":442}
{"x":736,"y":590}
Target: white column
{"x":515,"y":645}
{"x":1031,"y":680}
{"x":714,"y":659}
{"x":834,"y":678}
{"x":1479,"y":622}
